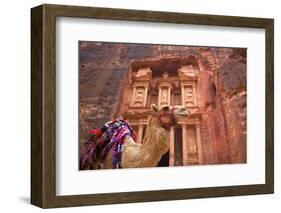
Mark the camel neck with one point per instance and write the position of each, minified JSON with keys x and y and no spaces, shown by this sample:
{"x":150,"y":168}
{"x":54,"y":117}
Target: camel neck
{"x":156,"y":139}
{"x":154,"y":122}
{"x":153,"y":129}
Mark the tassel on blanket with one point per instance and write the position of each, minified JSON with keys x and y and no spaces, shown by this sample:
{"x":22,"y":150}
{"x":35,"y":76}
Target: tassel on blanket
{"x":101,"y":141}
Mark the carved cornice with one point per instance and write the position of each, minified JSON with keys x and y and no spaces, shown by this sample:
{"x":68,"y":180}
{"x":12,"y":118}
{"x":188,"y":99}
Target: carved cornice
{"x":142,"y":75}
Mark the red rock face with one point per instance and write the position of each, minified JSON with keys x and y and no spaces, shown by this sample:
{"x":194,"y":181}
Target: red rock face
{"x":106,"y":91}
{"x":223,"y":98}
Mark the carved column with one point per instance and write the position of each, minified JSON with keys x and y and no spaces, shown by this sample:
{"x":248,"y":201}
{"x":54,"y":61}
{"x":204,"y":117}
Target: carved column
{"x":169,"y":96}
{"x":133,"y":96}
{"x":145,"y":96}
{"x":184,"y":145}
{"x":194,"y":94}
{"x":182,"y":96}
{"x":172,"y":148}
{"x":159,"y":96}
{"x":140,"y":132}
{"x":199,"y":144}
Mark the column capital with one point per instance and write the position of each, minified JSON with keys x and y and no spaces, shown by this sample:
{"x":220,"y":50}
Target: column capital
{"x":165,"y":84}
{"x":184,"y":125}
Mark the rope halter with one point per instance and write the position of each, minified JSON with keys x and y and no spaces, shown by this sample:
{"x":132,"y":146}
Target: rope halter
{"x":170,"y":115}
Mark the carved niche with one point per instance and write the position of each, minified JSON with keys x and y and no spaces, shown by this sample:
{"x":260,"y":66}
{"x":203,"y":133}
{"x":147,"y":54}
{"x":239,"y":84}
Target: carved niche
{"x":192,"y":148}
{"x":140,"y":81}
{"x":188,"y":96}
{"x":139,"y":97}
{"x":164,"y":96}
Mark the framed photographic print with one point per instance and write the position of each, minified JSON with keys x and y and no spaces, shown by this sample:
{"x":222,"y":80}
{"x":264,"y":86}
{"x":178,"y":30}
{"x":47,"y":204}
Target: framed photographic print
{"x":136,"y":106}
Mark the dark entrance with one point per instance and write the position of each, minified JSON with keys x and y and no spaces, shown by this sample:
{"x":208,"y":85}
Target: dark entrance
{"x":178,"y":146}
{"x":164,"y":160}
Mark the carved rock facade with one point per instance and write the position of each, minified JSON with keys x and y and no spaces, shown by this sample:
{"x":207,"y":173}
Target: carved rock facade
{"x":125,"y":79}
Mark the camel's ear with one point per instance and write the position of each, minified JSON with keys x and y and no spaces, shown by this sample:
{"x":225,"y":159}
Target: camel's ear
{"x":154,"y":108}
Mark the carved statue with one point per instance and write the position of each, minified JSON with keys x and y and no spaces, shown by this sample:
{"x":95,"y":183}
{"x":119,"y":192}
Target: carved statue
{"x":164,"y":98}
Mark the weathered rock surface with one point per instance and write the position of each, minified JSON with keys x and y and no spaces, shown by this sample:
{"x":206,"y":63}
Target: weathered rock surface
{"x":221,"y":91}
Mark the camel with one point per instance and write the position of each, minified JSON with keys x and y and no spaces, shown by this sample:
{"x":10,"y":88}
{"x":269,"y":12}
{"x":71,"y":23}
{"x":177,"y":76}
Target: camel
{"x":156,"y":139}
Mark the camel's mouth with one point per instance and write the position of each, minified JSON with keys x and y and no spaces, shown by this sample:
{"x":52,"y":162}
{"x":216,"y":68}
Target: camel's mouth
{"x":182,"y":111}
{"x":169,"y":115}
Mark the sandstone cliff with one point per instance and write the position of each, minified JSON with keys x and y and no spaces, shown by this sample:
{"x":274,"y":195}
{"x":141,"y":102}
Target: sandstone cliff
{"x":221,"y":83}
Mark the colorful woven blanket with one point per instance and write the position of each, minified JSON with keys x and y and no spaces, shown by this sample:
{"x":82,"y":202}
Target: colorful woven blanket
{"x":102,"y":140}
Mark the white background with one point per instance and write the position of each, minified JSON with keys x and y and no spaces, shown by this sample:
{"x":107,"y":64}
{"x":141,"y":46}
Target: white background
{"x":15,"y":105}
{"x":70,"y":31}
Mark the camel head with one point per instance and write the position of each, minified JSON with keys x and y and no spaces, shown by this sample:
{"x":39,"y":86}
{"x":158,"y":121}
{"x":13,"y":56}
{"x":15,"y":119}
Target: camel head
{"x":169,"y":115}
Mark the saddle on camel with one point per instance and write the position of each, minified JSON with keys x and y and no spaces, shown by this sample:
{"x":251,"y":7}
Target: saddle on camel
{"x":114,"y":144}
